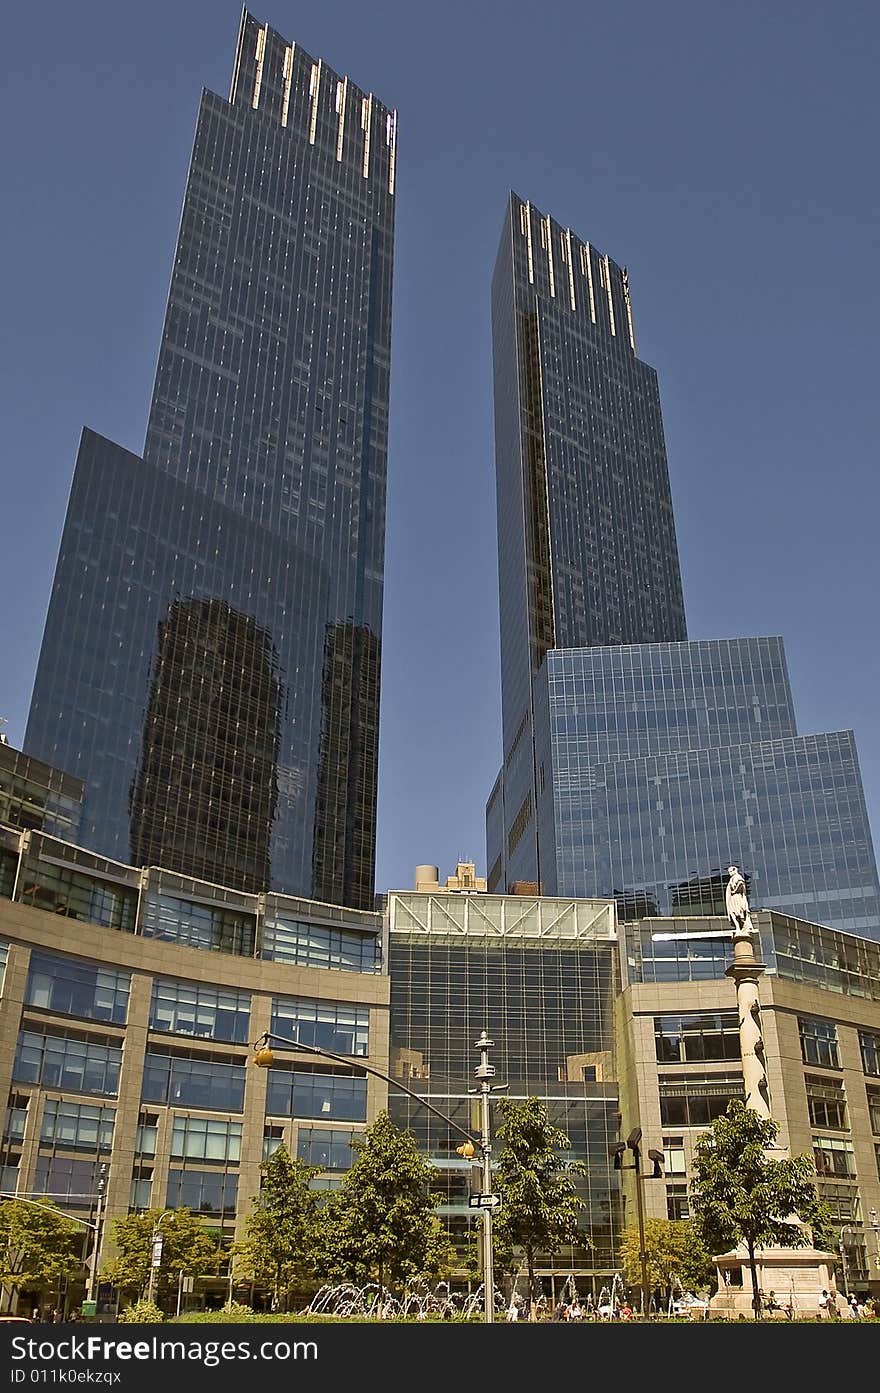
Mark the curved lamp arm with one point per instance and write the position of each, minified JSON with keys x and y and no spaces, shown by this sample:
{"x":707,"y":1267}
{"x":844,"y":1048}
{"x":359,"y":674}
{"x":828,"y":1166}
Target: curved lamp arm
{"x":267,"y":1036}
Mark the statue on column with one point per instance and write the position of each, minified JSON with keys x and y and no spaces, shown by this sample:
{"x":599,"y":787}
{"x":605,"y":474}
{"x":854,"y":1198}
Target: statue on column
{"x":737,"y":903}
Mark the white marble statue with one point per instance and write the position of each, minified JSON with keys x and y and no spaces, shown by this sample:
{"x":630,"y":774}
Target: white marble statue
{"x":737,"y":904}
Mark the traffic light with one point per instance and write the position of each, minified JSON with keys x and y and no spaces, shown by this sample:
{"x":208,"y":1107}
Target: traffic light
{"x":466,"y":1149}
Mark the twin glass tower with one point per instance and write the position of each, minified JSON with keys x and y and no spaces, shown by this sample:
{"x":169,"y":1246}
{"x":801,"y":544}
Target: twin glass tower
{"x":636,"y":764}
{"x":211,"y":660}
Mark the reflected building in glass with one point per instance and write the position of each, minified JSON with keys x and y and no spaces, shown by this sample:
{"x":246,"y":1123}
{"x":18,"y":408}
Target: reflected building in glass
{"x":210,"y":663}
{"x":637,"y":764}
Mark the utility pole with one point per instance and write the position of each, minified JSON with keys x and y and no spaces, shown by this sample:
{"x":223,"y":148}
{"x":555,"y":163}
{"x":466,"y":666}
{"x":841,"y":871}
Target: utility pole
{"x":484,"y":1072}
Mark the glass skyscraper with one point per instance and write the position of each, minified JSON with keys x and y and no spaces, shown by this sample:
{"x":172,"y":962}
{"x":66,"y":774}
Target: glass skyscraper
{"x":637,"y":764}
{"x":210,"y":664}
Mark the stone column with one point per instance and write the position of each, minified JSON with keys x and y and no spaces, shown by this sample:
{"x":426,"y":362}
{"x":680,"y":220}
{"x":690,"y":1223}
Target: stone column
{"x":746,"y":972}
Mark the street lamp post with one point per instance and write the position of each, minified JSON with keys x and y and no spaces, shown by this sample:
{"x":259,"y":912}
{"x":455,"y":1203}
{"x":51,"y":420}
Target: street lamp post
{"x":844,"y":1268}
{"x":633,"y":1143}
{"x":99,"y":1234}
{"x":264,"y":1058}
{"x":156,"y":1252}
{"x":875,"y":1226}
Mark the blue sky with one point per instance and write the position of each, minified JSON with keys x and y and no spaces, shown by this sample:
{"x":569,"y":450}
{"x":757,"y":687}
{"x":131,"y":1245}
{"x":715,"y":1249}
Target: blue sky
{"x":725,"y":154}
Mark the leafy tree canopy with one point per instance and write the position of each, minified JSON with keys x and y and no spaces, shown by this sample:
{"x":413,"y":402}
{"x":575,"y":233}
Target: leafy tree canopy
{"x":380,"y":1225}
{"x":740,"y":1193}
{"x":38,"y":1245}
{"x":674,"y":1254}
{"x":282,"y":1226}
{"x":540,"y":1203}
{"x":186,"y":1247}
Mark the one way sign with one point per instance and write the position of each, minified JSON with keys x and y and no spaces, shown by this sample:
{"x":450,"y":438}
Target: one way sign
{"x":485,"y":1201}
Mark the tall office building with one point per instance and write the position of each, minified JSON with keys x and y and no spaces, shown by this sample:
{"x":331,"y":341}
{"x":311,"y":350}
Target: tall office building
{"x":210,"y":664}
{"x":636,"y":763}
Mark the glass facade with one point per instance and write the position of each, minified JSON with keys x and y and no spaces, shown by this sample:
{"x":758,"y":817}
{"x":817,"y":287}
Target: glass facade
{"x":68,"y":1062}
{"x":586,"y":534}
{"x":210,"y":663}
{"x":71,"y":987}
{"x":661,"y":764}
{"x":190,"y":1008}
{"x":539,"y":977}
{"x":34,"y":795}
{"x":193,"y":1083}
{"x":800,"y":952}
{"x":332,"y":1025}
{"x":313,"y":1093}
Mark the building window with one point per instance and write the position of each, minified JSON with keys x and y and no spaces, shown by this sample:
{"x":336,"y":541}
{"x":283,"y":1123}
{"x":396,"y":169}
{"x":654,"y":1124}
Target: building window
{"x":673,"y":1156}
{"x":329,"y":1149}
{"x":66,"y":1180}
{"x":833,"y":1156}
{"x":141,"y":1194}
{"x":692,"y":1039}
{"x":273,"y":1137}
{"x":874,"y":1109}
{"x":677,"y":1206}
{"x":147,"y":1134}
{"x":843,"y":1202}
{"x":74,"y":988}
{"x":193,"y":1083}
{"x":198,"y":925}
{"x":306,"y":1093}
{"x":870,"y":1047}
{"x":16,"y":1118}
{"x":206,"y":1139}
{"x":209,"y":1013}
{"x":332,"y":1025}
{"x":66,"y":1062}
{"x":311,"y":945}
{"x":818,"y":1042}
{"x":689,"y":1101}
{"x":4,"y":956}
{"x":203,"y":1191}
{"x":76,"y":896}
{"x":8,"y":868}
{"x":82,"y":1126}
{"x":826,"y":1102}
{"x":9,"y":1176}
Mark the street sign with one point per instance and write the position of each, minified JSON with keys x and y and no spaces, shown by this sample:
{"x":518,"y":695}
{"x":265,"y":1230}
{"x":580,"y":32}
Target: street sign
{"x":157,"y":1251}
{"x":485,"y":1201}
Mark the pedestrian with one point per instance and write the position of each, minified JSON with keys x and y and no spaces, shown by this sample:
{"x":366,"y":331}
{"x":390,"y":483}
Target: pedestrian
{"x":854,"y":1306}
{"x":626,"y":1311}
{"x":827,"y":1307}
{"x":513,"y":1308}
{"x":575,"y":1312}
{"x":560,"y":1311}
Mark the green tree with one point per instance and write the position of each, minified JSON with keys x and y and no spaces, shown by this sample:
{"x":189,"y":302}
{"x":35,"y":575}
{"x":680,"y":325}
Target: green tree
{"x":281,"y":1228}
{"x":381,"y":1223}
{"x":674,"y":1254}
{"x":540,"y":1203}
{"x":740,"y":1194}
{"x":38,"y":1246}
{"x":187,"y":1248}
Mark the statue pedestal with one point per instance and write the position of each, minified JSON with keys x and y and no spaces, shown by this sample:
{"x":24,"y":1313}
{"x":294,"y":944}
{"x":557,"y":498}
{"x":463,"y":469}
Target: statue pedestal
{"x":795,"y":1275}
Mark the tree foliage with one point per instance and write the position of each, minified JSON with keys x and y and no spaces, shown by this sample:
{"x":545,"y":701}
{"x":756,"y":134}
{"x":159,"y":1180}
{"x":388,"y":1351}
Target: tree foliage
{"x":38,"y":1246}
{"x":742,"y":1194}
{"x":380,"y":1225}
{"x":540,"y":1203}
{"x":674,"y":1252}
{"x":186,"y":1247}
{"x":281,"y":1228}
